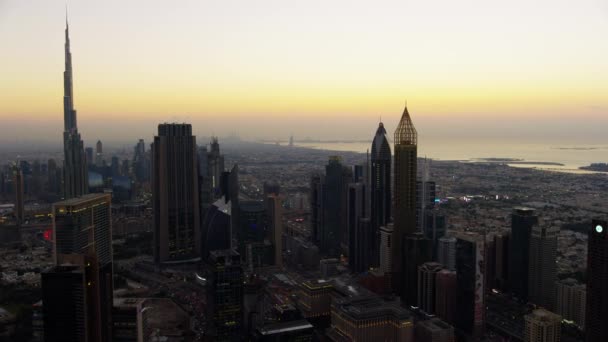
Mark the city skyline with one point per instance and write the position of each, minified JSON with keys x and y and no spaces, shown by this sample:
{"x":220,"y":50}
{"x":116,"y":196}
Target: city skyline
{"x":459,"y":65}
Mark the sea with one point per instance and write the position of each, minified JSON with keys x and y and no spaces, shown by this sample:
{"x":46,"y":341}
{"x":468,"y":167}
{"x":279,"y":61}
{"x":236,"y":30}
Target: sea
{"x":552,"y":157}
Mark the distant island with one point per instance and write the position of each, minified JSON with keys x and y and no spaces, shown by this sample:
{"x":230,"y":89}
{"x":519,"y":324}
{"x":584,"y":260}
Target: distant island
{"x":515,"y":161}
{"x":600,"y":167}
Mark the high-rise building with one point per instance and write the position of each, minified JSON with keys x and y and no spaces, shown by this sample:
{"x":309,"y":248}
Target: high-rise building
{"x":406,"y":154}
{"x":217,"y":228}
{"x":18,"y":189}
{"x":522,"y":221}
{"x":542,"y":326}
{"x":224,"y":280}
{"x":99,"y":154}
{"x":446,"y":252}
{"x":72,"y":305}
{"x":82,"y":226}
{"x":175,"y":194}
{"x":542,"y":269}
{"x":216,"y":164}
{"x":596,"y":317}
{"x":75,"y":177}
{"x":130,"y":320}
{"x":360,"y":235}
{"x":89,"y":156}
{"x":141,"y":167}
{"x":570,"y":302}
{"x":445,"y":295}
{"x":434,"y":330}
{"x":386,"y":251}
{"x":380,"y":186}
{"x":417,"y":251}
{"x":434,"y":227}
{"x":470,"y":285}
{"x":426,"y":192}
{"x":427,"y":286}
{"x":275,"y":219}
{"x":501,"y":259}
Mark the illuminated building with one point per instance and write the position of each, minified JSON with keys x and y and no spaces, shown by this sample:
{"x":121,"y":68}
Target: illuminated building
{"x":406,"y":154}
{"x":542,"y":326}
{"x":370,"y":318}
{"x":470,"y":285}
{"x":224,"y":280}
{"x":83,"y":226}
{"x":542,"y":266}
{"x":434,"y":330}
{"x":380,"y":187}
{"x":427,"y":286}
{"x":314,"y":300}
{"x":75,"y":173}
{"x":522,"y":221}
{"x":597,"y":283}
{"x":571,"y":299}
{"x":175,"y":194}
{"x":130,"y":320}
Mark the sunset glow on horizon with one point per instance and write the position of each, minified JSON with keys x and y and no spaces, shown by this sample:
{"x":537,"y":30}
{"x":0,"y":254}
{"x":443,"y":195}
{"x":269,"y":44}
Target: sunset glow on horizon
{"x":242,"y":62}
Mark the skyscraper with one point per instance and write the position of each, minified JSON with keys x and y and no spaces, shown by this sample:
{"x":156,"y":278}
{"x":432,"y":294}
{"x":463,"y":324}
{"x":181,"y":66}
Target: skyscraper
{"x":543,"y":326}
{"x":406,"y":154}
{"x":446,"y":252}
{"x":522,"y":221}
{"x":75,"y":177}
{"x":99,"y":154}
{"x":571,"y":299}
{"x":175,"y":194}
{"x":470,"y":288}
{"x":427,"y":286}
{"x":275,"y":219}
{"x":417,"y":250}
{"x":597,"y":283}
{"x":445,"y":295}
{"x":542,"y":267}
{"x":380,"y":186}
{"x":18,"y":189}
{"x":360,"y":235}
{"x":82,"y":226}
{"x":215,"y":163}
{"x":386,"y":250}
{"x":224,"y":280}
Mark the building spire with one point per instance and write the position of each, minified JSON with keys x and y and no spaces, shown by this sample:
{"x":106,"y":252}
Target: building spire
{"x":69,"y":114}
{"x":406,"y":132}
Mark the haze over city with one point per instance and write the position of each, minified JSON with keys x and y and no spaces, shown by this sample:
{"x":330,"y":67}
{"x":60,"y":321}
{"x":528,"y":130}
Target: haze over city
{"x":268,"y":69}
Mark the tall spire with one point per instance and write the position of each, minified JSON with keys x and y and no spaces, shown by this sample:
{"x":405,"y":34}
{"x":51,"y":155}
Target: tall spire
{"x":405,"y":133}
{"x":69,"y":114}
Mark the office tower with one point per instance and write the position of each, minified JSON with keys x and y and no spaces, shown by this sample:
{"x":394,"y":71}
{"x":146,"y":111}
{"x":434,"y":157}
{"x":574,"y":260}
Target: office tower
{"x":542,"y":267}
{"x":18,"y":189}
{"x":115,"y":166}
{"x":406,"y":154}
{"x":217,"y":228}
{"x":360,"y":235}
{"x":425,"y":198}
{"x":216,"y":163}
{"x":434,"y":330}
{"x":446,"y":252}
{"x":275,"y":217}
{"x":314,"y":300}
{"x":470,"y":286}
{"x":253,"y":223}
{"x":224,"y":279}
{"x":501,"y":252}
{"x":130,"y":320}
{"x":571,"y":299}
{"x":380,"y":186}
{"x":89,"y":156}
{"x":445,"y":295}
{"x":370,"y":317}
{"x":316,"y":208}
{"x":597,"y":283}
{"x":72,"y":306}
{"x":416,"y":251}
{"x":542,"y":326}
{"x":75,"y":177}
{"x":434,"y":227}
{"x":175,"y":194}
{"x":206,"y":195}
{"x":427,"y":286}
{"x":140,"y":164}
{"x":83,"y":226}
{"x":99,"y":154}
{"x":386,"y":250}
{"x":522,"y":221}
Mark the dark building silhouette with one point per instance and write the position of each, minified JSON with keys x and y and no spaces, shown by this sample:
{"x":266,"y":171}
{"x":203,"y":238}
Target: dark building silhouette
{"x":417,"y":250}
{"x":470,"y":284}
{"x":380,"y":187}
{"x":215,"y":164}
{"x":434,"y":227}
{"x":406,"y":153}
{"x":75,"y":176}
{"x":361,"y":237}
{"x":427,"y":287}
{"x":224,"y":281}
{"x":596,"y":316}
{"x":501,"y":259}
{"x":522,"y":221}
{"x":217,"y":228}
{"x":445,"y":295}
{"x":274,"y":213}
{"x":426,"y":192}
{"x":542,"y":268}
{"x":82,"y":227}
{"x":18,"y":189}
{"x":175,"y":194}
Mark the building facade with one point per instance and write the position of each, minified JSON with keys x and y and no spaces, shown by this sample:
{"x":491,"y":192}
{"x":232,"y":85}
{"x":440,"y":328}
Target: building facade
{"x":542,"y":269}
{"x":596,"y":317}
